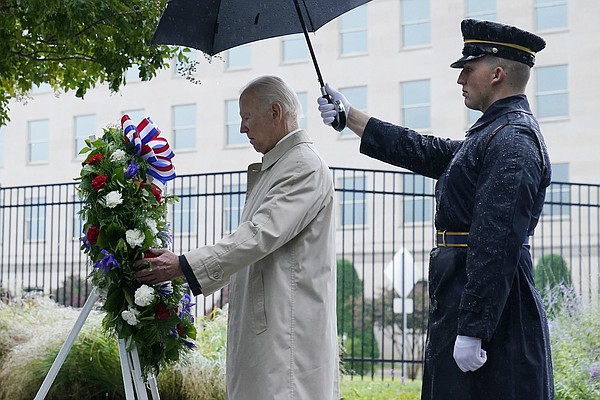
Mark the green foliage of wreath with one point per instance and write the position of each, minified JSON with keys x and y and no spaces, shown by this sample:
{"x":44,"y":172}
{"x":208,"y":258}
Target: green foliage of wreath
{"x":125,"y":215}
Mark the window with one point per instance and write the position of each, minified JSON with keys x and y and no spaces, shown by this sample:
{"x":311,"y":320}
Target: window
{"x":84,"y":126}
{"x":352,"y":199}
{"x":186,"y":68}
{"x":233,"y":204}
{"x":41,"y":88}
{"x":136,"y":115}
{"x":482,"y":9}
{"x":552,"y":93}
{"x":550,"y":14}
{"x":302,"y":96}
{"x":416,"y":24}
{"x":239,"y":57}
{"x":35,"y":219}
{"x":184,"y":126}
{"x":232,"y":124}
{"x":38,"y":141}
{"x":185,"y":217}
{"x":353,"y":31}
{"x":558,"y":195}
{"x":357,"y":96}
{"x":473,"y":116}
{"x":132,"y":74}
{"x":418,"y":204}
{"x":416,"y":108}
{"x":294,"y":48}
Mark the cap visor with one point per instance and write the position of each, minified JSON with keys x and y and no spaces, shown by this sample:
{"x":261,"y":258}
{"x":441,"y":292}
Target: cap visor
{"x":461,"y":61}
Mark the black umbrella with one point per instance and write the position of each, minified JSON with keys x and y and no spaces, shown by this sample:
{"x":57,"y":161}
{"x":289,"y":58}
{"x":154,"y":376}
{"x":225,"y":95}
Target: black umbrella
{"x":213,"y":26}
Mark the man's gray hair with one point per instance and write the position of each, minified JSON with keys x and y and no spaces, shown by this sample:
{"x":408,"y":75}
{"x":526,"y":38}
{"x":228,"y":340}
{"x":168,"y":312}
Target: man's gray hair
{"x":272,"y":89}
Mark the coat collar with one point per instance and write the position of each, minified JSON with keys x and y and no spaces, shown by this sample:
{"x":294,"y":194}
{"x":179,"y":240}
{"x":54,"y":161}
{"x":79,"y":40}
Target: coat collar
{"x":283,"y":147}
{"x":501,"y":107}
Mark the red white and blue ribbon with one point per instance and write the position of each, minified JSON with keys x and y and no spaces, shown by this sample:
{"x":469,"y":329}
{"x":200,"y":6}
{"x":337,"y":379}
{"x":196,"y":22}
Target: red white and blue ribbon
{"x":152,"y":148}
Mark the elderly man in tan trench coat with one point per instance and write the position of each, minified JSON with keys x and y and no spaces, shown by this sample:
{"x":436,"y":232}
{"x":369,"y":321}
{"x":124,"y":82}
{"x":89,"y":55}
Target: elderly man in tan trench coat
{"x":280,"y":262}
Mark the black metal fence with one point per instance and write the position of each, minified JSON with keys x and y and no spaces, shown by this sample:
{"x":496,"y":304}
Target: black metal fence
{"x":384,"y":235}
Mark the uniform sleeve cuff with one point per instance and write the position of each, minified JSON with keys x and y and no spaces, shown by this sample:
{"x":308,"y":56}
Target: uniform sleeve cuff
{"x":189,"y":276}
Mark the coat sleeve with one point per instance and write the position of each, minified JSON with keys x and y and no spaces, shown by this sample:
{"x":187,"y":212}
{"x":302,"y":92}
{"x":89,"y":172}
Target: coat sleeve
{"x":403,"y":147}
{"x":301,"y":188}
{"x":506,"y":192}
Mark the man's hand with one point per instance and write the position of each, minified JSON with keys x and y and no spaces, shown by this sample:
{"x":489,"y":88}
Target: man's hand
{"x":328,"y":109}
{"x":159,"y":266}
{"x":468,"y":353}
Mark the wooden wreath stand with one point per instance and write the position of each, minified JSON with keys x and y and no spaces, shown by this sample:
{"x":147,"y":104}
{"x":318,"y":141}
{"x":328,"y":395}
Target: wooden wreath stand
{"x":135,"y":387}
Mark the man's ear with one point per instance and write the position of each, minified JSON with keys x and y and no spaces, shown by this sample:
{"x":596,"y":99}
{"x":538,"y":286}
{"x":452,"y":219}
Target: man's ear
{"x":499,"y":75}
{"x":276,"y":110}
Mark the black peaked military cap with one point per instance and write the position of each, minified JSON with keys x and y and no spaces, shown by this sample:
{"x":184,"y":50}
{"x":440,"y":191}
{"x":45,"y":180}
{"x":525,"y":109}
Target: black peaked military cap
{"x":492,"y":38}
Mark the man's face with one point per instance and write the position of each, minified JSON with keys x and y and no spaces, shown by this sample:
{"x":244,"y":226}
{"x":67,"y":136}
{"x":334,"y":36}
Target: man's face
{"x":258,"y":123}
{"x":476,"y":80}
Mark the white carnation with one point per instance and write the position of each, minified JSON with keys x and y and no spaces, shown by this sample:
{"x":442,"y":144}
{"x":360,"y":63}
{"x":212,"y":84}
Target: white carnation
{"x":118,"y":156}
{"x":130,"y":316}
{"x":151,"y":224}
{"x":144,"y":296}
{"x":134,"y":237}
{"x":113,"y":199}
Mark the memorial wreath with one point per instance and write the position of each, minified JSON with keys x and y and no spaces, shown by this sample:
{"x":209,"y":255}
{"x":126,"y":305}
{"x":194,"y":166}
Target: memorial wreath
{"x":124,"y":212}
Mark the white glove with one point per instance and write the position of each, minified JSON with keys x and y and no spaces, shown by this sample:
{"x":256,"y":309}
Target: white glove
{"x":468,"y":353}
{"x":327,"y":109}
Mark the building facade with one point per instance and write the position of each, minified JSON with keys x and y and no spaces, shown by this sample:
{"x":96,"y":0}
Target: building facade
{"x":390,"y":57}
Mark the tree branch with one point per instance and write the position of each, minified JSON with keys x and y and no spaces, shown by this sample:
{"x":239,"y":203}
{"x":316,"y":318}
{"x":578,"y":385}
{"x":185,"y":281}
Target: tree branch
{"x":34,"y":57}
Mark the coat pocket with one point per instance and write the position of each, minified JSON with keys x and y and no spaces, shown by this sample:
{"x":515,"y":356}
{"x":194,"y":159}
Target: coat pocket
{"x":257,"y":297}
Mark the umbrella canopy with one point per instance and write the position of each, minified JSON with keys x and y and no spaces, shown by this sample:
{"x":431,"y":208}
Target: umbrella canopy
{"x":213,"y":26}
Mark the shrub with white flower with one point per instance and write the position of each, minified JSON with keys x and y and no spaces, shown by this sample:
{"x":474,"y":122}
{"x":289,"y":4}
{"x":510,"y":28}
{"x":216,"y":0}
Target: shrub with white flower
{"x":124,"y":211}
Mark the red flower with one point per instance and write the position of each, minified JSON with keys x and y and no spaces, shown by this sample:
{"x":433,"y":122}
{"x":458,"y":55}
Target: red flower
{"x":95,"y":159}
{"x":161,"y":311}
{"x":99,"y":182}
{"x":92,"y":234}
{"x":156,"y":192}
{"x":179,"y":330}
{"x":149,"y":254}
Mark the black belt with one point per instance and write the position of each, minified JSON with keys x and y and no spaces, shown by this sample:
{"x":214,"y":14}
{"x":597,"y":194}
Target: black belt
{"x":458,"y":239}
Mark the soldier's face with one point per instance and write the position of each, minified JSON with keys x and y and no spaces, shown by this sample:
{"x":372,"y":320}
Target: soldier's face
{"x":476,"y":79}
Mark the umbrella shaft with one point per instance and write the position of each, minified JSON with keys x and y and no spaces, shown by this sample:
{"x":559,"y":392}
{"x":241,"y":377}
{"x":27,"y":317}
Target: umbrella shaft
{"x":310,"y":48}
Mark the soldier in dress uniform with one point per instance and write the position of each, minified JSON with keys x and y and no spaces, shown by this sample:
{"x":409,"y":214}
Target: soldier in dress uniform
{"x":488,"y":334}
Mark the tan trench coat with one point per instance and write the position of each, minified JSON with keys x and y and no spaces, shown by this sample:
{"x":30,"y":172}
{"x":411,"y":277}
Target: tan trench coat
{"x":280,"y":266}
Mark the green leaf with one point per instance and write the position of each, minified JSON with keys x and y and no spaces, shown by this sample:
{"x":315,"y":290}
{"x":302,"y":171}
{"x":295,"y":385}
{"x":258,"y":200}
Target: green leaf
{"x":76,"y":45}
{"x":114,"y":299}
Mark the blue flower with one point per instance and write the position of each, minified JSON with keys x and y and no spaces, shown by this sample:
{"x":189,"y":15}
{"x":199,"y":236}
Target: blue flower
{"x":173,"y":333}
{"x":186,"y":305}
{"x":86,"y":243}
{"x":107,"y":262}
{"x":189,"y":344}
{"x":167,"y":237}
{"x":166,"y":289}
{"x":131,"y":170}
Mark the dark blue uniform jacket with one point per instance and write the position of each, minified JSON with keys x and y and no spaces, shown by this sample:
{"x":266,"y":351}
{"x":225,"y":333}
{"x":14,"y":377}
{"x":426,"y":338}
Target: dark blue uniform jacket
{"x":492,"y":185}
